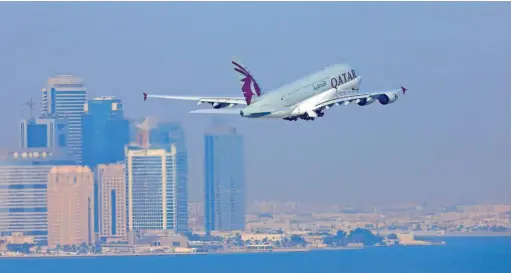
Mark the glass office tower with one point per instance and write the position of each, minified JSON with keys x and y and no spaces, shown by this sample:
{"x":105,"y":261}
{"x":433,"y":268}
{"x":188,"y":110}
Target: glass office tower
{"x":224,"y":204}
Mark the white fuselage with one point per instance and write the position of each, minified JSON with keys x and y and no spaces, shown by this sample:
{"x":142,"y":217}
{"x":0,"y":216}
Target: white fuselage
{"x":298,"y":97}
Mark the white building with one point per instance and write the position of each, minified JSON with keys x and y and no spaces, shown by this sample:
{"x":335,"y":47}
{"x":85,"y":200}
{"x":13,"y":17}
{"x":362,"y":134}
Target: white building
{"x":153,"y":193}
{"x":64,"y":97}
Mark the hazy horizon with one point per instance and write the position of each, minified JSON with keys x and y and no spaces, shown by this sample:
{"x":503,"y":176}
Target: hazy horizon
{"x":444,"y":141}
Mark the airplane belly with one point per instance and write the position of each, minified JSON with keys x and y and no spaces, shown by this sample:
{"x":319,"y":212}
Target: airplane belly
{"x":267,"y":111}
{"x":280,"y":114}
{"x":269,"y":115}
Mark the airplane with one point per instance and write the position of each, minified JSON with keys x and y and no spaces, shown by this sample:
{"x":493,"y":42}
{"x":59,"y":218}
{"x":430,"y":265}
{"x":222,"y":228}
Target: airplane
{"x":306,"y":98}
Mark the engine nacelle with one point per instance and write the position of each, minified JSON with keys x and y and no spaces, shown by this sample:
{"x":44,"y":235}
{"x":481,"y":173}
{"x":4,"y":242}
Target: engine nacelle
{"x":387,"y":98}
{"x":218,"y":105}
{"x":366,"y":101}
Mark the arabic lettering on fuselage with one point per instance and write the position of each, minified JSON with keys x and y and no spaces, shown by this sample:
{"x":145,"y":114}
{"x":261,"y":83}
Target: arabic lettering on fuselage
{"x":343,"y":78}
{"x":319,"y":85}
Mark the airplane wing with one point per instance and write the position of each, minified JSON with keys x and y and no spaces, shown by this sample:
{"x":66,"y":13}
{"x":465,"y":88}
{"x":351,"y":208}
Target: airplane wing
{"x":200,"y":99}
{"x":228,"y":111}
{"x":321,"y":102}
{"x":362,"y":98}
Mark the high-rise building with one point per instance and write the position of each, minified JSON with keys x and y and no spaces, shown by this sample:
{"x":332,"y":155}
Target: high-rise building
{"x":43,"y":133}
{"x":64,"y":97}
{"x":135,"y":129}
{"x":105,"y":131}
{"x":224,"y":206}
{"x":153,"y":195}
{"x":23,"y":184}
{"x":70,"y":206}
{"x":152,"y":133}
{"x":112,"y":201}
{"x":142,"y":131}
{"x":166,"y":133}
{"x":163,"y":135}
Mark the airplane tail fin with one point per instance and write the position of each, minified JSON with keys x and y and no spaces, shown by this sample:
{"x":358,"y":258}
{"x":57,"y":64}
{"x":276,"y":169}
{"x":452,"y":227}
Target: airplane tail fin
{"x":249,"y":86}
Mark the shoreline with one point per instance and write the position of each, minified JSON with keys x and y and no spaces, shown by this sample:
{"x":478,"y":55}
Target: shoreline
{"x":160,"y":254}
{"x":244,"y":251}
{"x":233,"y":252}
{"x":450,"y":234}
{"x":476,"y":234}
{"x":281,"y":250}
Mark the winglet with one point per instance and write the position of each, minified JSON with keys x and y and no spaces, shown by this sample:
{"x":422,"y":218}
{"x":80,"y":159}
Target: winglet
{"x":145,"y":96}
{"x":404,"y":90}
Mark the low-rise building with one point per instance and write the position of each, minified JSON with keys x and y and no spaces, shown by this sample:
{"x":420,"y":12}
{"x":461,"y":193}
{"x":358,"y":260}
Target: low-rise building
{"x":315,"y":240}
{"x":255,"y":237}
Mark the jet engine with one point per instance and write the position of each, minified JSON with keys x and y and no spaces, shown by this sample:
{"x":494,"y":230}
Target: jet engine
{"x":387,"y":98}
{"x":366,"y":101}
{"x":218,"y":105}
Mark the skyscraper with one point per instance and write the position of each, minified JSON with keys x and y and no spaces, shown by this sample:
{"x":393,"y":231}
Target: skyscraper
{"x":224,"y":206}
{"x":165,"y":134}
{"x":43,"y":133}
{"x":23,"y":184}
{"x":155,"y":134}
{"x":152,"y":192}
{"x":112,"y":201}
{"x":64,"y":97}
{"x":105,"y":131}
{"x":70,"y":206}
{"x":143,"y":129}
{"x":135,"y":129}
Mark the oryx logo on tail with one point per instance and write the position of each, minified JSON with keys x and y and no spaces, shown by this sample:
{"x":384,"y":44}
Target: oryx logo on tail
{"x":247,"y":81}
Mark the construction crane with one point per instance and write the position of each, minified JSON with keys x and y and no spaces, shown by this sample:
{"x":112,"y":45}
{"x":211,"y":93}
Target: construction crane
{"x":30,"y":104}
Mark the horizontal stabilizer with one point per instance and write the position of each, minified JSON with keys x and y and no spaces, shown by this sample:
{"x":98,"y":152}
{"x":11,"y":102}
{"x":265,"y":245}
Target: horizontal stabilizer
{"x":231,"y":111}
{"x":172,"y":97}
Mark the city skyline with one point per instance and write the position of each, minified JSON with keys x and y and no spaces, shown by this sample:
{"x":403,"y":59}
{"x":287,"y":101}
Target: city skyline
{"x":416,"y":151}
{"x":100,"y":187}
{"x":95,"y":176}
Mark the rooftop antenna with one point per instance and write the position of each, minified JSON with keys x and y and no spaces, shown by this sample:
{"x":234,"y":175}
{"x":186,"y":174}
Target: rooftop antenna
{"x":30,"y":104}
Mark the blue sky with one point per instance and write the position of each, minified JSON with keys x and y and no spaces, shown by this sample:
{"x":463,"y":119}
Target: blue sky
{"x":446,"y":140}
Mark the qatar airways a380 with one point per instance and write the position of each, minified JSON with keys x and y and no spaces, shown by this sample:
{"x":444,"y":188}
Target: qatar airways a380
{"x":306,"y":98}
